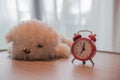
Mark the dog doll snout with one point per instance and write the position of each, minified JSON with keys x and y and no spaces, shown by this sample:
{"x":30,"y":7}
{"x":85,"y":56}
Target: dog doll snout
{"x":27,"y":51}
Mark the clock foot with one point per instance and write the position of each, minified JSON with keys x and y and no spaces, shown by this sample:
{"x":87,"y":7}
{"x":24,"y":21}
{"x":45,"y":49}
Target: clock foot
{"x":84,"y":62}
{"x":73,"y":60}
{"x":92,"y":62}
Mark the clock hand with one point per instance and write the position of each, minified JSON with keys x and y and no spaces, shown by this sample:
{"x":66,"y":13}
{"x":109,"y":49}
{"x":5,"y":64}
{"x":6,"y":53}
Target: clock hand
{"x":84,"y":45}
{"x":83,"y":48}
{"x":81,"y":51}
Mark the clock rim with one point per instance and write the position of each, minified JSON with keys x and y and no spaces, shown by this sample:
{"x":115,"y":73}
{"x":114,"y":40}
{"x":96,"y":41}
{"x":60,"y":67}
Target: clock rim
{"x":92,"y":54}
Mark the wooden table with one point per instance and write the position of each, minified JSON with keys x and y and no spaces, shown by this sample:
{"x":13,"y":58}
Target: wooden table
{"x":107,"y":67}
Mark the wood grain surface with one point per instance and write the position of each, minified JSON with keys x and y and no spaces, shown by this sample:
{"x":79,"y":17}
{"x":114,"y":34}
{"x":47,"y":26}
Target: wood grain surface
{"x":107,"y":67}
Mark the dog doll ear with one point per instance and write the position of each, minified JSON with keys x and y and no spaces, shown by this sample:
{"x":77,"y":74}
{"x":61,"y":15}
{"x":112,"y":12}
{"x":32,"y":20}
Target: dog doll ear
{"x":9,"y":37}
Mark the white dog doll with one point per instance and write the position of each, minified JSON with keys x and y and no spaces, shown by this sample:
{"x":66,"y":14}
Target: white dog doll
{"x":34,"y":40}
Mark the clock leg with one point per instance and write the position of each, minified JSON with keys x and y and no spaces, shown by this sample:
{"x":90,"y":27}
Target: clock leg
{"x":73,"y":60}
{"x":92,"y":62}
{"x":84,"y":62}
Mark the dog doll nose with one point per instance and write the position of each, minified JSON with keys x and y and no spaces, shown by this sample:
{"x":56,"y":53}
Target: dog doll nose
{"x":27,"y":51}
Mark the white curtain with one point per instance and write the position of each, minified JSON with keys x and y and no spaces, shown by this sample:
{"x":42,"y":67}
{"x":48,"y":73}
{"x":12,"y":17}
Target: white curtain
{"x":99,"y":16}
{"x":67,"y":17}
{"x":116,"y":34}
{"x":8,"y":17}
{"x":11,"y":13}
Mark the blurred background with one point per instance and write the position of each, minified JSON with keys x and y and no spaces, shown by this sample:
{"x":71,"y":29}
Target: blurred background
{"x":66,"y":17}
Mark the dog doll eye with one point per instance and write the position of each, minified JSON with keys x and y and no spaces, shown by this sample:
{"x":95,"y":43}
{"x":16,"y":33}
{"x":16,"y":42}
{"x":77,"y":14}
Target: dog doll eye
{"x":40,"y":45}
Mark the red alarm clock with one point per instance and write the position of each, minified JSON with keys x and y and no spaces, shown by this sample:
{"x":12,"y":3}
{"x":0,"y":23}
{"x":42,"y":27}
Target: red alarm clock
{"x":83,"y":48}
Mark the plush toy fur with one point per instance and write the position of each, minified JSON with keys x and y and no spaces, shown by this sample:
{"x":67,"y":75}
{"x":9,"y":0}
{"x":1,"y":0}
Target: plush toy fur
{"x":34,"y":40}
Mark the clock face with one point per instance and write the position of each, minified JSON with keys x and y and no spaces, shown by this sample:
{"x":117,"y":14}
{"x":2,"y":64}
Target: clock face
{"x":83,"y":49}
